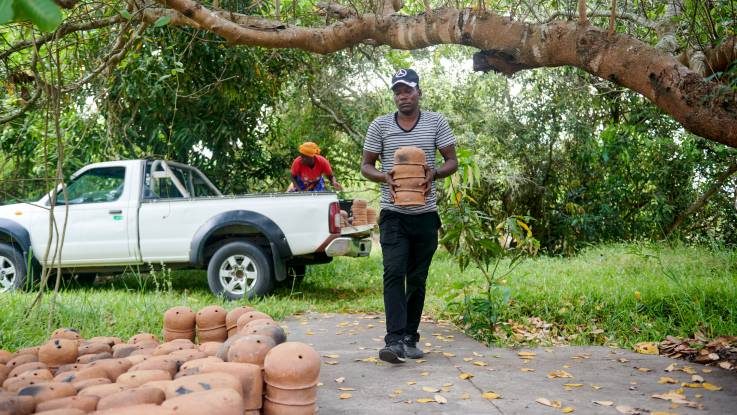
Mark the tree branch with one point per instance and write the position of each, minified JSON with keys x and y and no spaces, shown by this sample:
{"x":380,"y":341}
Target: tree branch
{"x":639,"y":20}
{"x":335,"y":9}
{"x":355,"y":136}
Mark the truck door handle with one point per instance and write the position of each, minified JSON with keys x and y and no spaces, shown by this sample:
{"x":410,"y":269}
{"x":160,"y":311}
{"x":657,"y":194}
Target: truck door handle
{"x":115,"y":211}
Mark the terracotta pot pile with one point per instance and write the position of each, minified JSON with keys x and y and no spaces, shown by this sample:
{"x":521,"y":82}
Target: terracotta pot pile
{"x":69,"y":375}
{"x":410,"y":164}
{"x":360,"y":215}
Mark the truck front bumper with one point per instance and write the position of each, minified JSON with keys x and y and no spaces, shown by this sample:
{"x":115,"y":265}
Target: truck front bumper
{"x":345,"y":246}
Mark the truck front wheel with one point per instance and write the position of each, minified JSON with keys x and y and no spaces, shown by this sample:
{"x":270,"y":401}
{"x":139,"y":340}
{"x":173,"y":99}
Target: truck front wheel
{"x":239,"y":269}
{"x":12,"y":268}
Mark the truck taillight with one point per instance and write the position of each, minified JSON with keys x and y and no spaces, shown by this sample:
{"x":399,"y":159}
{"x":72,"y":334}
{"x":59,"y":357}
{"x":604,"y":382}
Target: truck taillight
{"x":334,"y":218}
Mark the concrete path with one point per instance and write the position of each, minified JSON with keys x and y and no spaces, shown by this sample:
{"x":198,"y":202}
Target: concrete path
{"x":620,"y":380}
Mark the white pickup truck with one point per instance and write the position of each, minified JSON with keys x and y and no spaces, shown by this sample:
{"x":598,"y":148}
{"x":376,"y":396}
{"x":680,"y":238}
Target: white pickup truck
{"x":139,"y":212}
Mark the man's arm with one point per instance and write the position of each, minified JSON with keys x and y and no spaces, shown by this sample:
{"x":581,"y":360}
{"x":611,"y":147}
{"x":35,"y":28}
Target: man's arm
{"x":369,"y":171}
{"x":450,"y":166}
{"x":295,"y":184}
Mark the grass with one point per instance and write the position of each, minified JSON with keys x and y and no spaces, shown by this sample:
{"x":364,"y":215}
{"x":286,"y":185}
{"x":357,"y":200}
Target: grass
{"x":614,"y":295}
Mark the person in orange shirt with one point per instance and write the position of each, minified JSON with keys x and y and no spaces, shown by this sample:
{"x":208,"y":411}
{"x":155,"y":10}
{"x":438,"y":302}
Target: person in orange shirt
{"x":308,"y":170}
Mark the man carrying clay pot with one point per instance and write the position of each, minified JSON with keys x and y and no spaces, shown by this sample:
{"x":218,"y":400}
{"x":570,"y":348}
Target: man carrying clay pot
{"x":409,"y":234}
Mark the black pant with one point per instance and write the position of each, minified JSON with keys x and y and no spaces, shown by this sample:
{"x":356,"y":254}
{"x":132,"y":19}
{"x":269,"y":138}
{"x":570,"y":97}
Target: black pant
{"x":408,"y":243}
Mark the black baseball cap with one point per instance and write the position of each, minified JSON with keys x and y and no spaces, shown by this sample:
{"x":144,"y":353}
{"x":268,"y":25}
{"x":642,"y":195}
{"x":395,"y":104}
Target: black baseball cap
{"x":406,"y":76}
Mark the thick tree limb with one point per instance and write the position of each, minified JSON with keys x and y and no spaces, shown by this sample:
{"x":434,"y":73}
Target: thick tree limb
{"x":582,"y":19}
{"x":509,"y":46}
{"x":699,"y":203}
{"x":639,"y":20}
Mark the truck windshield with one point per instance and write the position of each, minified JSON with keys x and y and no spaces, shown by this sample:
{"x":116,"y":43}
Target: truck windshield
{"x":103,"y":184}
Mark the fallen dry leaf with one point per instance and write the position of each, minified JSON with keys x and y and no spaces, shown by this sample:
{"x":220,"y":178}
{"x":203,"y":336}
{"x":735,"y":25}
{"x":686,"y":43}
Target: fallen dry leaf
{"x":345,"y":396}
{"x":397,"y":391}
{"x":644,"y":369}
{"x":331,"y":356}
{"x":595,"y":387}
{"x":411,"y":382}
{"x":490,"y":395}
{"x":677,"y":398}
{"x":425,"y":400}
{"x":710,"y":387}
{"x":622,"y":360}
{"x":340,"y":379}
{"x":424,"y":373}
{"x":527,"y":369}
{"x":420,"y":361}
{"x":689,"y":370}
{"x":665,"y":379}
{"x":465,"y":376}
{"x":331,"y":362}
{"x":671,"y":367}
{"x":559,"y":374}
{"x":526,"y":355}
{"x":346,"y":389}
{"x":624,"y":409}
{"x":465,"y":396}
{"x":604,"y":403}
{"x":440,"y":399}
{"x":662,"y":413}
{"x":548,"y":402}
{"x":697,"y":379}
{"x":447,"y":385}
{"x":706,"y":370}
{"x":573,"y":385}
{"x":691,"y":385}
{"x":567,"y":410}
{"x":448,"y":354}
{"x":647,"y":348}
{"x":430,"y":389}
{"x":480,"y":363}
{"x":467,"y":359}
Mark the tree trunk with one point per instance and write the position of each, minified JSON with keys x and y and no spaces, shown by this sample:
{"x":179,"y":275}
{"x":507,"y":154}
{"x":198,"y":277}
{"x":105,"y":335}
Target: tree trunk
{"x":701,"y":201}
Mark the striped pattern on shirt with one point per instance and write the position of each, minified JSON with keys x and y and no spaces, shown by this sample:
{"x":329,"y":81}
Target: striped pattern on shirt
{"x":385,"y":136}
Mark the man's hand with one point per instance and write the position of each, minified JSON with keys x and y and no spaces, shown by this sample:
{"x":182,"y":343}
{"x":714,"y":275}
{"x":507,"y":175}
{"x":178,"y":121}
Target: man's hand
{"x":389,"y":180}
{"x":429,"y":178}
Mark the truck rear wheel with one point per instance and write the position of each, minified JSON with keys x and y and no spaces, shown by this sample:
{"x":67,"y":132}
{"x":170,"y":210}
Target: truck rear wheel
{"x":239,"y":269}
{"x":12,"y":268}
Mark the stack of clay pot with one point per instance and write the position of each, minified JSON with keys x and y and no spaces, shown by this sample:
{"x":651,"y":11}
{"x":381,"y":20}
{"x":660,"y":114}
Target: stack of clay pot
{"x":343,"y":219}
{"x":291,"y":374}
{"x":211,"y":324}
{"x":360,"y":216}
{"x":371,"y":216}
{"x":410,"y":164}
{"x":69,"y":375}
{"x":179,"y":323}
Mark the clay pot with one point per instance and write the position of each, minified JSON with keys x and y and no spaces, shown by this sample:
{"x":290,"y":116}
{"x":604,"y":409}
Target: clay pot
{"x":72,"y":367}
{"x":231,"y":319}
{"x":273,"y":408}
{"x":94,"y":348}
{"x":58,"y":352}
{"x":405,"y":171}
{"x":66,"y":333}
{"x":211,"y":317}
{"x":137,"y":378}
{"x":170,"y":335}
{"x":25,"y":379}
{"x":250,"y":349}
{"x":292,"y":365}
{"x":80,"y":375}
{"x":63,"y":411}
{"x":89,"y":358}
{"x":84,"y":384}
{"x":223,"y":352}
{"x":218,"y":334}
{"x":251,"y":316}
{"x":276,"y":333}
{"x":210,"y":348}
{"x":48,"y":391}
{"x":5,"y":356}
{"x":160,"y":363}
{"x":113,"y":367}
{"x":85,"y":403}
{"x":26,"y":367}
{"x":138,"y":396}
{"x":136,"y":359}
{"x":173,"y":346}
{"x":179,"y":319}
{"x":371,"y":216}
{"x":202,"y":382}
{"x":143,"y":337}
{"x":299,"y":397}
{"x":358,"y":203}
{"x":410,"y":155}
{"x":221,"y":402}
{"x":102,"y":391}
{"x":4,"y":373}
{"x":412,"y":183}
{"x":16,"y":405}
{"x":110,"y":340}
{"x":197,"y":363}
{"x":183,"y":356}
{"x":28,"y":350}
{"x":247,"y":374}
{"x":21,"y":359}
{"x":124,"y":350}
{"x":409,"y":198}
{"x":147,"y":409}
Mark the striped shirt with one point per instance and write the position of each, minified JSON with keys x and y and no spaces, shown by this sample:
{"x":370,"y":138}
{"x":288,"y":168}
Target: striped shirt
{"x":385,"y":136}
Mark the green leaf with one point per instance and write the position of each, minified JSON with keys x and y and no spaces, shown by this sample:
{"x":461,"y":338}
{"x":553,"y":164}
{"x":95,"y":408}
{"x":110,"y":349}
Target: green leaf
{"x":43,"y":13}
{"x":162,"y":21}
{"x":126,"y":14}
{"x":6,"y":11}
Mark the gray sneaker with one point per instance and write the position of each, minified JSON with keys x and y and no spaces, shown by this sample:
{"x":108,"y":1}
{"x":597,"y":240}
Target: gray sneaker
{"x":392,"y":353}
{"x":411,"y":350}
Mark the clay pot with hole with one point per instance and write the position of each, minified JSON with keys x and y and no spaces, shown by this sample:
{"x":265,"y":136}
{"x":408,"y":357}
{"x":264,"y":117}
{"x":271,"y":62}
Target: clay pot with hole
{"x":173,"y":346}
{"x":48,"y":391}
{"x":251,"y":316}
{"x":212,"y":335}
{"x":26,"y":367}
{"x":259,"y":323}
{"x":210,"y":348}
{"x":89,"y":358}
{"x":220,"y":402}
{"x":158,"y":363}
{"x":143,"y":337}
{"x":34,"y":377}
{"x":124,"y":350}
{"x":410,"y":155}
{"x":273,"y":408}
{"x":199,"y":362}
{"x":79,"y":375}
{"x":113,"y":367}
{"x":102,"y":391}
{"x":250,"y":349}
{"x":66,"y":333}
{"x":179,"y":319}
{"x":249,"y":376}
{"x":371,"y":216}
{"x":147,"y":409}
{"x":292,"y":366}
{"x":231,"y":319}
{"x":405,"y":171}
{"x":110,"y":340}
{"x":85,"y":403}
{"x":223,"y":352}
{"x":4,"y":373}
{"x":138,"y":396}
{"x":299,"y":397}
{"x":83,"y":384}
{"x":16,"y":405}
{"x":276,"y":333}
{"x":202,"y":382}
{"x":170,"y":335}
{"x":21,"y":359}
{"x":94,"y":348}
{"x":412,"y":183}
{"x":183,"y":356}
{"x":28,"y":350}
{"x":72,"y":367}
{"x":409,"y":198}
{"x":211,"y":317}
{"x":137,"y":378}
{"x":359,"y":203}
{"x":5,"y":356}
{"x":58,"y":352}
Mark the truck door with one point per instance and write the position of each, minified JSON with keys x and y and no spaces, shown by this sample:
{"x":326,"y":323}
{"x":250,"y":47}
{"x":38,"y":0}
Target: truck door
{"x":98,"y":214}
